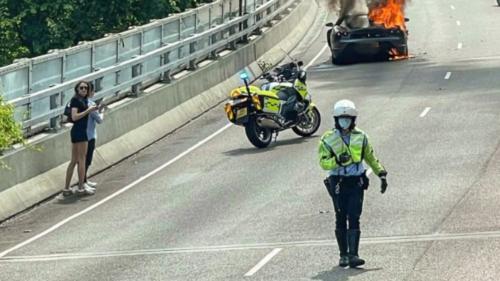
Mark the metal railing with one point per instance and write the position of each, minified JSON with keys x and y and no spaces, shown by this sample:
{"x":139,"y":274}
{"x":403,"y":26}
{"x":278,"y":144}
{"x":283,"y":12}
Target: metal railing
{"x":122,"y":63}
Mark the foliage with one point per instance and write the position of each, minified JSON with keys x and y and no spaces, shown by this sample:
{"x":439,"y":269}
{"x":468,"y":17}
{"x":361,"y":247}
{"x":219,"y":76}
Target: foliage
{"x":10,"y":130}
{"x":32,"y":27}
{"x":10,"y":43}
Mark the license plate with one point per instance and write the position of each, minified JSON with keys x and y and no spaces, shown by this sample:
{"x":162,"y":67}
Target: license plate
{"x":242,"y":112}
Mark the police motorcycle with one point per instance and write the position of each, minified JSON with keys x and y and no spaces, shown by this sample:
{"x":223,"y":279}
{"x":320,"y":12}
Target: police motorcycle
{"x":261,"y":110}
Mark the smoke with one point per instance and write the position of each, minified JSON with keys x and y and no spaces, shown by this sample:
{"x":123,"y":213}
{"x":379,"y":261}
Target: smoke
{"x":349,"y":5}
{"x":374,"y":3}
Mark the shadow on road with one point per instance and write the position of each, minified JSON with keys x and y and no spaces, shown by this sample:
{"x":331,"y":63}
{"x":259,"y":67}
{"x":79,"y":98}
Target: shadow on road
{"x":61,"y":200}
{"x":248,"y":151}
{"x":297,"y":140}
{"x":253,"y":150}
{"x":342,"y":274}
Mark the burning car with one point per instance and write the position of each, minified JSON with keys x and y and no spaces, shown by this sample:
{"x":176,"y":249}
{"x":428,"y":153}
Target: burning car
{"x":385,"y":36}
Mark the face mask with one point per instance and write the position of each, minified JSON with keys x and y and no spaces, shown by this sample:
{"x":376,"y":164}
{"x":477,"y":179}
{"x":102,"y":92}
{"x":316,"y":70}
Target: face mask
{"x":345,"y":123}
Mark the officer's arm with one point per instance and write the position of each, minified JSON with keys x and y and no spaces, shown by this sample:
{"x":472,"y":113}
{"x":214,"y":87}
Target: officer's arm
{"x":371,"y":159}
{"x":326,"y":157}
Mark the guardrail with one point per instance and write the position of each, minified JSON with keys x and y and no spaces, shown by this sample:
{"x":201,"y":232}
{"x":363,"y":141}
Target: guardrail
{"x":124,"y":63}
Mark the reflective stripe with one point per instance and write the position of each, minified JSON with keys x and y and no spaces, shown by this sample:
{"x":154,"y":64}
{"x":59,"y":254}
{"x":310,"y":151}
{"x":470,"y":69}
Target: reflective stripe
{"x":355,"y":148}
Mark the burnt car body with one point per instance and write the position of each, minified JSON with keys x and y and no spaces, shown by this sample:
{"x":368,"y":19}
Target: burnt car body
{"x":373,"y":42}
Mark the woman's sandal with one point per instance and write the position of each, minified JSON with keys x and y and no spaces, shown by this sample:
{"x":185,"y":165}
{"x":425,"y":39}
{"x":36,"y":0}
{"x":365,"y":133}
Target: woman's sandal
{"x":84,"y":191}
{"x":67,"y":192}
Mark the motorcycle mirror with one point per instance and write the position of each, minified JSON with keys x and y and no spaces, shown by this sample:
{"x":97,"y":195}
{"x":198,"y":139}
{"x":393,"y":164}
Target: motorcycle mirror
{"x":330,"y":24}
{"x":300,"y":63}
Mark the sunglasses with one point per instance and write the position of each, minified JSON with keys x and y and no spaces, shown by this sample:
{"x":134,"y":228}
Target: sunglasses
{"x":83,"y":88}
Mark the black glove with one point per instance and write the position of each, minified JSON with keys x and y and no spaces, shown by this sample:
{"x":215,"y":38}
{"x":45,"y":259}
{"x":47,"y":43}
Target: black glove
{"x":383,"y":181}
{"x":383,"y":185}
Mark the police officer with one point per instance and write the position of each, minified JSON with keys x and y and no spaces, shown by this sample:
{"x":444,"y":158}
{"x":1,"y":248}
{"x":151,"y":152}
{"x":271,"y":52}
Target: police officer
{"x":342,"y":152}
{"x":292,"y":95}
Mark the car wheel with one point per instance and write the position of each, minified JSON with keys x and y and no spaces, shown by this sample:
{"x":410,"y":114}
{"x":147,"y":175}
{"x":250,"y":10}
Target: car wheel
{"x":404,"y":51}
{"x":340,"y":60}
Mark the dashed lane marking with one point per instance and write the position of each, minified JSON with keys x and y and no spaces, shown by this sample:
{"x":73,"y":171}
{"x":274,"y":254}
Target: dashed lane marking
{"x":263,"y":262}
{"x":426,"y":110}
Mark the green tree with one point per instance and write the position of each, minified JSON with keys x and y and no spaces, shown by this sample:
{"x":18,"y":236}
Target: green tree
{"x":11,"y":46}
{"x":32,"y":27}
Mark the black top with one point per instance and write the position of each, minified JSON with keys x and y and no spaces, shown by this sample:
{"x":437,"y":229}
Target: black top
{"x":81,"y":104}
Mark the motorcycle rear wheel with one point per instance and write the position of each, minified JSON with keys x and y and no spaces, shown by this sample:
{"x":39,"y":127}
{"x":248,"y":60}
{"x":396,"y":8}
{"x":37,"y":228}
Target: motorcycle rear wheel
{"x":258,"y":136}
{"x":308,"y":129}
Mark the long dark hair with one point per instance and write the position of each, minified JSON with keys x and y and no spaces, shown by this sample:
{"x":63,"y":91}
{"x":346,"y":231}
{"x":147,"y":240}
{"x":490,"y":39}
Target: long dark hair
{"x":78,"y":84}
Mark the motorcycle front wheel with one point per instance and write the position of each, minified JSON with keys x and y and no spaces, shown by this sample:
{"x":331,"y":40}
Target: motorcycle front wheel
{"x":258,"y":136}
{"x":310,"y":123}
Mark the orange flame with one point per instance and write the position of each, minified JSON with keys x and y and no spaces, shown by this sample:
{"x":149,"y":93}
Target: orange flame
{"x":390,"y":14}
{"x":395,"y":55}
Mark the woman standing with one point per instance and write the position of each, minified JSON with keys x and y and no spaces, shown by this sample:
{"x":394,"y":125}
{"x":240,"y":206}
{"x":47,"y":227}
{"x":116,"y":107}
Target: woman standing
{"x":79,"y":116}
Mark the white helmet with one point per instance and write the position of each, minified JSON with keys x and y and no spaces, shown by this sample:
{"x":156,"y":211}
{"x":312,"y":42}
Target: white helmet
{"x":344,"y":108}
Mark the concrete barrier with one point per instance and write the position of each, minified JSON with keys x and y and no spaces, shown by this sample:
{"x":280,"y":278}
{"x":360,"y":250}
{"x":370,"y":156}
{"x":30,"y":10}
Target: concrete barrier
{"x":35,"y":176}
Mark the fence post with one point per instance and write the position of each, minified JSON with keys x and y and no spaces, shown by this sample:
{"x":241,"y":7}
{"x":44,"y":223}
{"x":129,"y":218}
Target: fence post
{"x":136,"y":71}
{"x":165,"y":59}
{"x":192,"y":49}
{"x":213,"y":38}
{"x":54,"y":123}
{"x":29,"y":106}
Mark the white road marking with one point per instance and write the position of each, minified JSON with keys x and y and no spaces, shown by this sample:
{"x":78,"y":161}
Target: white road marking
{"x":447,"y":76}
{"x":452,"y":7}
{"x":422,"y":238}
{"x":426,"y":110}
{"x":316,"y":57}
{"x":141,"y":179}
{"x":459,"y":23}
{"x":460,"y":45}
{"x":326,"y":68}
{"x":263,"y":262}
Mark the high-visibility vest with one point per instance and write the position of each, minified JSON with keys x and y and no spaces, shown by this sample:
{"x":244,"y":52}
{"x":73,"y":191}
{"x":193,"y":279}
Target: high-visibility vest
{"x":337,"y":146}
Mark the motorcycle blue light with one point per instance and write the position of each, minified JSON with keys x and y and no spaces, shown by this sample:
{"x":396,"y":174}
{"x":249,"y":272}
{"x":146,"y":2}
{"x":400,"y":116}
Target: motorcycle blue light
{"x":244,"y":76}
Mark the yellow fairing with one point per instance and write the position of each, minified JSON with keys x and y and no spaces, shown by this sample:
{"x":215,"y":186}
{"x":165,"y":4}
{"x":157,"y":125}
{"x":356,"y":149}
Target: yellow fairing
{"x":236,"y":93}
{"x":271,"y":105}
{"x":269,"y":94}
{"x":301,"y":88}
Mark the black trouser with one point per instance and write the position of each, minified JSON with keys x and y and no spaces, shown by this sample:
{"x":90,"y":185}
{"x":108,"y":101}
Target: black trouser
{"x":347,"y":194}
{"x":90,"y":156}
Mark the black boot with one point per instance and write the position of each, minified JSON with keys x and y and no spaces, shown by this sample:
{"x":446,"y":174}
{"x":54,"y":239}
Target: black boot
{"x":353,"y":236}
{"x":341,"y":236}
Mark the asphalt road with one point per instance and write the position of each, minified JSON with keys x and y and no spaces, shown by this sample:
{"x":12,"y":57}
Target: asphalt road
{"x":204,"y":206}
